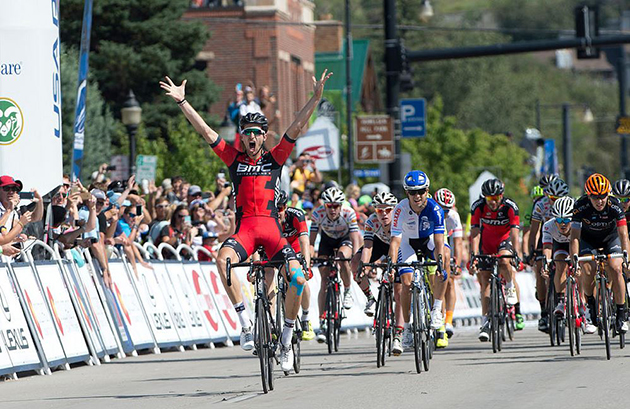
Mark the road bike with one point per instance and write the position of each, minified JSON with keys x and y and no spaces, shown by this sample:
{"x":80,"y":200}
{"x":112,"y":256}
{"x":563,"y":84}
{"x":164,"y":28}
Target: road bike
{"x":266,"y":328}
{"x":557,"y":323}
{"x":574,"y":319}
{"x":333,"y":310}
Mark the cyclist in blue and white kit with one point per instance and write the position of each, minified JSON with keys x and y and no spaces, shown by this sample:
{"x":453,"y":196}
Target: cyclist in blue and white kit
{"x":418,"y":226}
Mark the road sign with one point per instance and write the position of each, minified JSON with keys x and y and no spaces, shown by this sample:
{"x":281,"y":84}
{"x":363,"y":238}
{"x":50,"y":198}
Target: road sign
{"x":145,"y":167}
{"x":367,"y":173}
{"x":375,"y":139}
{"x":413,"y":114}
{"x":623,"y":125}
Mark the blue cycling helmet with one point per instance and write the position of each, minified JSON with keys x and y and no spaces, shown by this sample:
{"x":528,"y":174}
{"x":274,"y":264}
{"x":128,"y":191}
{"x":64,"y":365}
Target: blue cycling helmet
{"x":416,"y":180}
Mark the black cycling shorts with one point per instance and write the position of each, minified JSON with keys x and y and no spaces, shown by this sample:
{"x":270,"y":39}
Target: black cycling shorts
{"x":560,"y":248}
{"x":486,"y":265}
{"x":379,"y":249}
{"x":328,"y":245}
{"x":610,"y":244}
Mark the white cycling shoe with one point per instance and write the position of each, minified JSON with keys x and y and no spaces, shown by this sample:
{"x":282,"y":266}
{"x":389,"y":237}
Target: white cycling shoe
{"x":247,"y":339}
{"x":370,"y":307}
{"x":437,"y":319}
{"x":407,"y":338}
{"x":286,"y":358}
{"x":510,"y":296}
{"x":347,"y":299}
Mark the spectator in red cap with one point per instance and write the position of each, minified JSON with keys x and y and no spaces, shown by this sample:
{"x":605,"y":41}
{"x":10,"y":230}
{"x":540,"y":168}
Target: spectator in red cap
{"x":11,"y":222}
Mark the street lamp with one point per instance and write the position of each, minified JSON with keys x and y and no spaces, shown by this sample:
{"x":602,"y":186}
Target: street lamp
{"x":426,"y":11}
{"x":131,"y":117}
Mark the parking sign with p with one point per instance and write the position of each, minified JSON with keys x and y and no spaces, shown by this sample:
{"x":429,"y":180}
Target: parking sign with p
{"x":413,"y":117}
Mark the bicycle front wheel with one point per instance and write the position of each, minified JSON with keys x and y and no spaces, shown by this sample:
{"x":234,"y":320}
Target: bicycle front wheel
{"x":571,"y":316}
{"x":261,"y":330}
{"x":604,"y":304}
{"x":379,"y":327}
{"x":494,"y":315}
{"x":416,"y":327}
{"x":330,"y":312}
{"x":297,"y":348}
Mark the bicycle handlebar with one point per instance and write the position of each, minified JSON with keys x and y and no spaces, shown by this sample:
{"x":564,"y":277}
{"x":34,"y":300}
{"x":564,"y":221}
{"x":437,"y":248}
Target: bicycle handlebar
{"x":599,"y":257}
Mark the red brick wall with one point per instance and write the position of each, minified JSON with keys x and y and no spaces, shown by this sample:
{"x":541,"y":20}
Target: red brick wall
{"x":250,"y":53}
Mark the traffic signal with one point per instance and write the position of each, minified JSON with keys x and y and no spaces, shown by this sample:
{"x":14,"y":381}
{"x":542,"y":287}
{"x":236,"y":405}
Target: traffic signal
{"x":587,"y":27}
{"x":406,"y":73}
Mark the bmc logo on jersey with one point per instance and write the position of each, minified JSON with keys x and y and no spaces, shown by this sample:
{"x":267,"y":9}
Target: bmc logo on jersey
{"x":245,"y":169}
{"x":494,"y":222}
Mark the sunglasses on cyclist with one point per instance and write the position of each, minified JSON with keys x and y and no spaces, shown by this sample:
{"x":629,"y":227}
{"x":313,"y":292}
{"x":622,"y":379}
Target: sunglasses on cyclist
{"x":384,"y":209}
{"x":599,"y":197}
{"x":563,"y":220}
{"x":624,"y":199}
{"x":253,"y":131}
{"x":495,"y":198}
{"x":333,"y":205}
{"x":420,"y":192}
{"x":281,"y":208}
{"x":11,"y":189}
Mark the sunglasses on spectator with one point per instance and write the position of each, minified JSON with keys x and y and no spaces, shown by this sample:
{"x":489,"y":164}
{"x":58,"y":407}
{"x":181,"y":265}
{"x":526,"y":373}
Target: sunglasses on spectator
{"x":131,"y":215}
{"x":494,"y":197}
{"x":563,"y":220}
{"x":624,"y":199}
{"x":420,"y":192}
{"x":11,"y":188}
{"x":384,"y":209}
{"x":100,"y":202}
{"x":181,"y":216}
{"x":599,"y":197}
{"x":333,"y":205}
{"x":253,"y":131}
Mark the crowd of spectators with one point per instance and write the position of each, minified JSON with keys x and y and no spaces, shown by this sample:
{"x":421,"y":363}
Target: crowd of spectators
{"x":246,"y":101}
{"x":115,"y":214}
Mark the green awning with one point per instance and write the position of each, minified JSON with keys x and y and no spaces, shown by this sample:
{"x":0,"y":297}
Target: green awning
{"x":336,"y":63}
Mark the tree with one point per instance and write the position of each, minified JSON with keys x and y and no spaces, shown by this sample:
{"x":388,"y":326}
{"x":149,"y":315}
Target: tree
{"x":99,"y":123}
{"x":134,"y":43}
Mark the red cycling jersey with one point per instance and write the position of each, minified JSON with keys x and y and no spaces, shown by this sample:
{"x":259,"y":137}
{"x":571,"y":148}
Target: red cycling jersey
{"x":495,"y":225}
{"x":255,"y":182}
{"x":294,"y":227}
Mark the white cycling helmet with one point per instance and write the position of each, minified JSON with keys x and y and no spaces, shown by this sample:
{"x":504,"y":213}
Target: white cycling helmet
{"x":557,"y":187}
{"x":445,"y":198}
{"x":621,"y":188}
{"x":385,"y":198}
{"x":563,"y":207}
{"x":333,"y":195}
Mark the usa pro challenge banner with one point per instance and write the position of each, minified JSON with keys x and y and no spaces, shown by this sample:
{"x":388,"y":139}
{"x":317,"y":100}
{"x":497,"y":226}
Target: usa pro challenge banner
{"x":30,"y":92}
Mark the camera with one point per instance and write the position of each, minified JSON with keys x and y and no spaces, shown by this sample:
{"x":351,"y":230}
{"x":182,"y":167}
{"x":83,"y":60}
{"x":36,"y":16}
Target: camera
{"x":27,"y":195}
{"x":93,"y":240}
{"x":111,"y":167}
{"x":226,"y":184}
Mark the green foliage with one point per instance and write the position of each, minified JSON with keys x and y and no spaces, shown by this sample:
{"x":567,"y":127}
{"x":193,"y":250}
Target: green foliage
{"x":454,"y":158}
{"x":134,"y":43}
{"x":183,"y":153}
{"x":99,"y":123}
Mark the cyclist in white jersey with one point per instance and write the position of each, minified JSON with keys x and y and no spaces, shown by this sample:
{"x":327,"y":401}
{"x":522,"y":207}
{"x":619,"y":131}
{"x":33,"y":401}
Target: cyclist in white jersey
{"x":555,"y":239}
{"x":455,"y":232}
{"x":337,"y":225}
{"x":556,"y":189}
{"x":418,"y":226}
{"x":376,"y":240}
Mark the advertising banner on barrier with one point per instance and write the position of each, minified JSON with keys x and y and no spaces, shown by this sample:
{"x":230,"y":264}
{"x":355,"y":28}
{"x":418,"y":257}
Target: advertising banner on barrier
{"x":84,"y":309}
{"x":40,"y":314}
{"x":156,"y":308}
{"x":177,"y":312}
{"x":224,"y":305}
{"x":108,"y":336}
{"x":129,"y":306}
{"x":192,"y":313}
{"x":6,"y":366}
{"x":15,"y":334}
{"x":211,"y":314}
{"x":63,"y":312}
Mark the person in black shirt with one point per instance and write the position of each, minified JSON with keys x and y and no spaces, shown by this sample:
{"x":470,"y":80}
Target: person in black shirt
{"x":599,"y":223}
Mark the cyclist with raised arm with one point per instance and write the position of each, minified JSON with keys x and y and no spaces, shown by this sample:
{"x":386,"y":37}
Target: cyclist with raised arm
{"x":255,"y":174}
{"x":336,"y":223}
{"x":294,"y":229}
{"x":455,"y":234}
{"x":418,"y":227}
{"x":599,"y":223}
{"x":376,"y":241}
{"x":555,"y":189}
{"x":494,"y":230}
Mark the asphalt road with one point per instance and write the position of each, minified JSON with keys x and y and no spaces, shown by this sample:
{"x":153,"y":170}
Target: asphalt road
{"x":528,"y":373}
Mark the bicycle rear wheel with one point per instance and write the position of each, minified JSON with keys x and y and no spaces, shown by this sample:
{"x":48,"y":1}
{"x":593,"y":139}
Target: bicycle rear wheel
{"x":510,"y":324}
{"x":605,"y":314}
{"x":501,"y":317}
{"x":494,"y":315}
{"x":262,"y":342}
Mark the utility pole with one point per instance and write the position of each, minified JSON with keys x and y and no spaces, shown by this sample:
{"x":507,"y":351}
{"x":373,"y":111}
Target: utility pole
{"x":349,"y":94}
{"x":567,"y":151}
{"x":393,"y":60}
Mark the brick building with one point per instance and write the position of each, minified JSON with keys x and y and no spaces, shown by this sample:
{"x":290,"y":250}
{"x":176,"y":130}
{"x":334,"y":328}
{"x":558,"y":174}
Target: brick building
{"x":254,"y":45}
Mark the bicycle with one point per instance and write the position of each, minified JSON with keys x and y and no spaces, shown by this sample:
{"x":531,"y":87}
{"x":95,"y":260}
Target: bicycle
{"x":556,"y":323}
{"x":499,"y":311}
{"x":265,"y":345}
{"x":606,"y":321}
{"x":384,"y":318}
{"x":573,"y":317}
{"x":333,"y":310}
{"x":423,"y":335}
